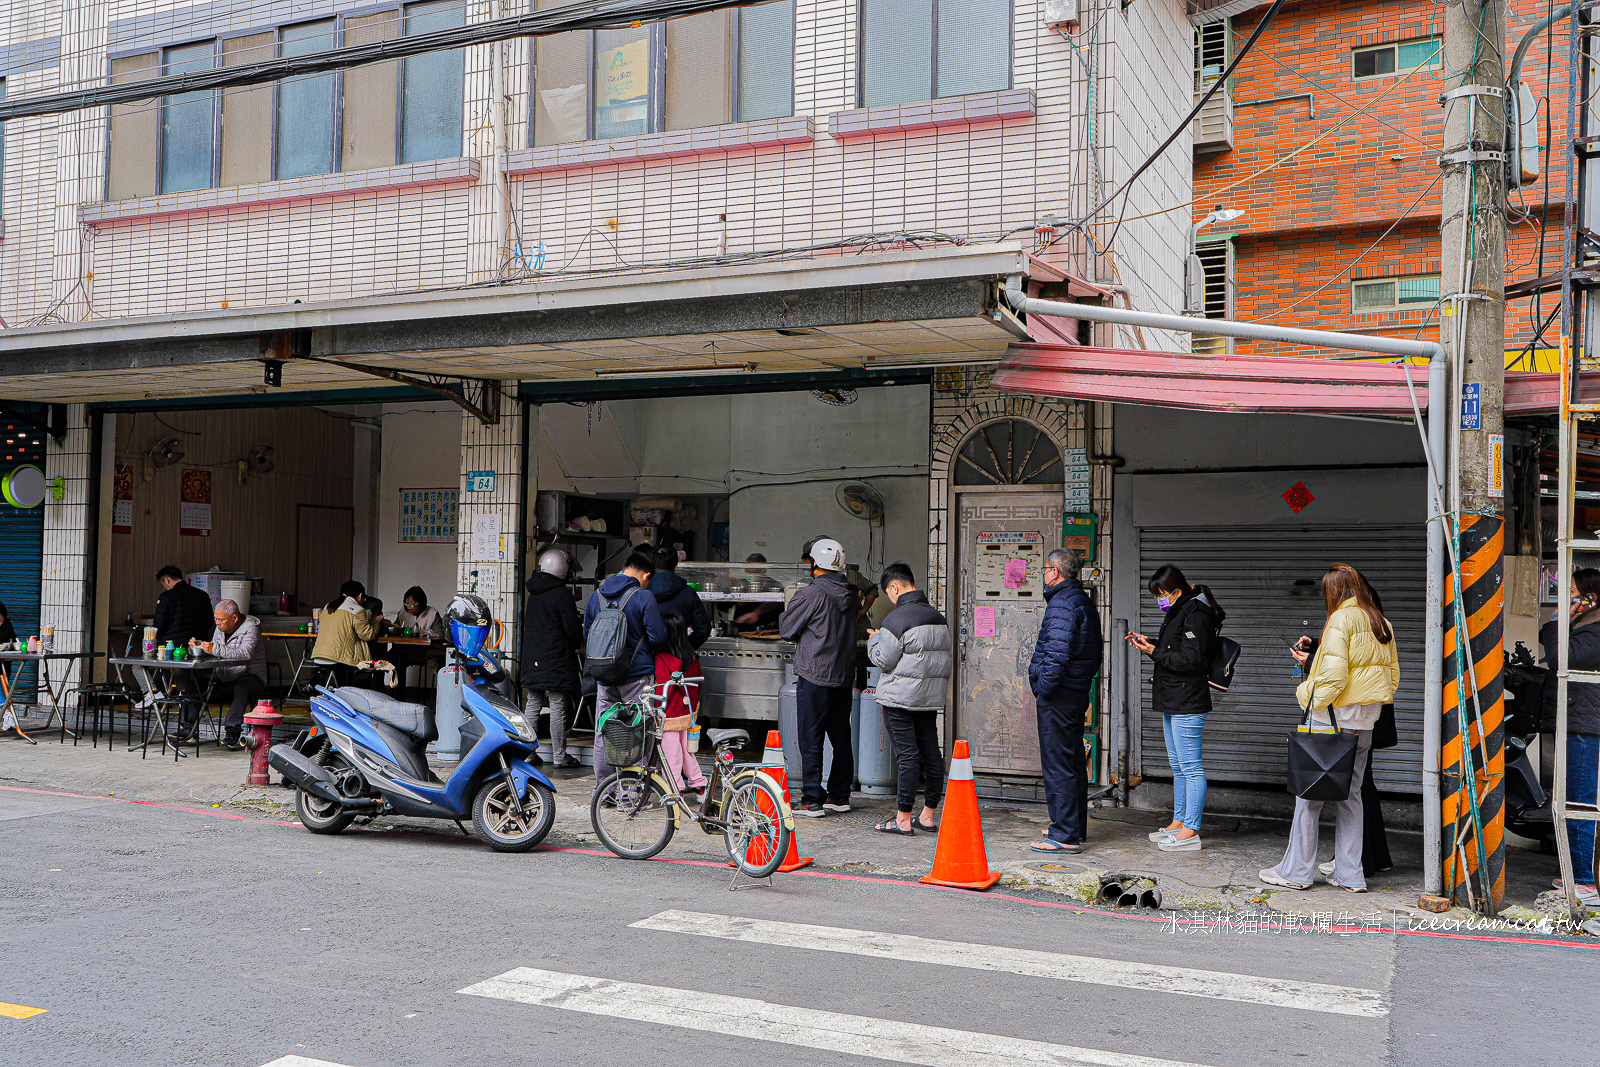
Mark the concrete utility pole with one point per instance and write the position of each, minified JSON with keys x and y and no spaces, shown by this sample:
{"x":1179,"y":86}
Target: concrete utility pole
{"x":1472,"y":233}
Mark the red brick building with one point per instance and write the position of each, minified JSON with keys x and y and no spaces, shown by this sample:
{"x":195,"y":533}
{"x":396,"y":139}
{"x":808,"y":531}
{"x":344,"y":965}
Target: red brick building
{"x":1328,"y":139}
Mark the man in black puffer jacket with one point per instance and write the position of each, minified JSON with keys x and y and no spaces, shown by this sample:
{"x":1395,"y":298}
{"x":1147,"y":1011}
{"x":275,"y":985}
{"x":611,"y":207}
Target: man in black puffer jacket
{"x":1065,"y":660}
{"x":551,"y":637}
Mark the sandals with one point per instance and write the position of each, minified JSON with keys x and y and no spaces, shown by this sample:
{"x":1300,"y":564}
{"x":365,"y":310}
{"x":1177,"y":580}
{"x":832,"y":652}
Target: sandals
{"x":889,"y":826}
{"x":1052,"y":845}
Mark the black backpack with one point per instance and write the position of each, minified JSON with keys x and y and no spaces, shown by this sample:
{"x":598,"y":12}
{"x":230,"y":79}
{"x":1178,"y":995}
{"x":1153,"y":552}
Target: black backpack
{"x":607,"y":654}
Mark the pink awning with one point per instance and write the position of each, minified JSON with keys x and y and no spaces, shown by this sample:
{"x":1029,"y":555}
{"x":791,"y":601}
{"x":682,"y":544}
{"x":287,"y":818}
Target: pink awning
{"x":1246,"y":383}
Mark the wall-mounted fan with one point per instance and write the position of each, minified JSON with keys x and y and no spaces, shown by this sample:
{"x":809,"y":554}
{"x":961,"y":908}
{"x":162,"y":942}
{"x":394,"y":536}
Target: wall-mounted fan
{"x":163,"y":453}
{"x":836,"y":397}
{"x":861,"y":500}
{"x":259,"y":460}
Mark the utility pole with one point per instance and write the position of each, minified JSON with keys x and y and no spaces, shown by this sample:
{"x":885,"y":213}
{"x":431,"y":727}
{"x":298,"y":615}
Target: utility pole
{"x":1472,"y":235}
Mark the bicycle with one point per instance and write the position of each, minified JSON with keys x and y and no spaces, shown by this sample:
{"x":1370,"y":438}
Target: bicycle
{"x":636,"y":811}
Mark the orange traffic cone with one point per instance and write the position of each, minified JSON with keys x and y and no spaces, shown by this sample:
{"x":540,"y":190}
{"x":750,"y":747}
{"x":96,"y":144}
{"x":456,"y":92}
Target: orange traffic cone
{"x":773,"y":767}
{"x":959,"y":858}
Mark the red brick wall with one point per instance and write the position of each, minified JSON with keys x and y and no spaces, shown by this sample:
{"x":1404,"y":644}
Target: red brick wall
{"x":1308,"y":218}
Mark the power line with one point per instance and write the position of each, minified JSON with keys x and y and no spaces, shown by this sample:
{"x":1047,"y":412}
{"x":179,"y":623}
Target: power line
{"x":587,"y":15}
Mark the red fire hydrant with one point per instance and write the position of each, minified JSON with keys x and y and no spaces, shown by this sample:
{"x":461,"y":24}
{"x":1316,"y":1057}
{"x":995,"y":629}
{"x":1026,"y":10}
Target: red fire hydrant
{"x":261,"y":720}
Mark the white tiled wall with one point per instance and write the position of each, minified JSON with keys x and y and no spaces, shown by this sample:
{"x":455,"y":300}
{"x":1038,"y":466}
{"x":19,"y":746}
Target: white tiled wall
{"x":62,"y":591}
{"x":971,"y":182}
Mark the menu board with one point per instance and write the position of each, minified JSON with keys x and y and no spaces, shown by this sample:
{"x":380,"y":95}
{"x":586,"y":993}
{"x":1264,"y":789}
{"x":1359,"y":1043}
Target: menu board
{"x":428,"y":516}
{"x":1009,"y":566}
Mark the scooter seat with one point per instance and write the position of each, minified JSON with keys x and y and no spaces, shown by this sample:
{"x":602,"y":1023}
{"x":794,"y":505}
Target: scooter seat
{"x":738,"y":738}
{"x":415,"y":720}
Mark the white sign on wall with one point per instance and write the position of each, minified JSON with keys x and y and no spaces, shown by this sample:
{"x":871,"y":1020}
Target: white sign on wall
{"x":486,"y":542}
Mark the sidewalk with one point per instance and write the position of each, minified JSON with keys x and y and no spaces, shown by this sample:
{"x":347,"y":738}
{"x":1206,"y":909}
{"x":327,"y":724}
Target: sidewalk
{"x":1223,"y":875}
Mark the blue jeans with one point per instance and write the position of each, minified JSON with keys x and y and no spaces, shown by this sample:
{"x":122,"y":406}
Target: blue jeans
{"x":1188,"y":773}
{"x":1583,"y":752}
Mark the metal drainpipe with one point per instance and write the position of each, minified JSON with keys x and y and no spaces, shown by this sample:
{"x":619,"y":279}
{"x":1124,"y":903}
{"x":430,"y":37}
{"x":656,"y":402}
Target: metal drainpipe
{"x":1433,"y":446}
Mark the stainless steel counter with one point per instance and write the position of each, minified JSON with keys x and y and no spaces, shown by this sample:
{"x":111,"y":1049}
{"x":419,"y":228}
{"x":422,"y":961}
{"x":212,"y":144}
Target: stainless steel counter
{"x":743,"y":677}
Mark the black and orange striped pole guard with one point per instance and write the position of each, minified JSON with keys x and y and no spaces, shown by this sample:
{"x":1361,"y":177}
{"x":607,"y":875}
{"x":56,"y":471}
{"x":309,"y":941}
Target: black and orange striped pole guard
{"x":1481,"y":544}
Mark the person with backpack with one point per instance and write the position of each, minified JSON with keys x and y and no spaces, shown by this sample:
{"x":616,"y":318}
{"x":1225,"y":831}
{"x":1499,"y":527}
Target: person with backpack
{"x":622,"y":629}
{"x":1180,"y":690}
{"x":678,"y":654}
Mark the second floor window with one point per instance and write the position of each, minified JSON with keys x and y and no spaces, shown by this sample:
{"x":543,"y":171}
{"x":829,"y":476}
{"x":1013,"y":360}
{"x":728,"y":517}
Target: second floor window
{"x":702,"y":70}
{"x":1413,"y":292}
{"x":924,"y":49}
{"x":378,"y":115}
{"x":1387,"y":60}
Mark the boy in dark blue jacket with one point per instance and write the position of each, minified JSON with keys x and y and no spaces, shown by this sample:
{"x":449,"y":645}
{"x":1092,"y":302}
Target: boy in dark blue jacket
{"x":1065,"y":660}
{"x":646,"y":634}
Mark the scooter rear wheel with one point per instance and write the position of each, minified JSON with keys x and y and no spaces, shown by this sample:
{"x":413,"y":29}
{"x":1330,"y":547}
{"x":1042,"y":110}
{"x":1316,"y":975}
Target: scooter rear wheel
{"x":321,"y":816}
{"x":631,"y":815}
{"x":498,"y":823}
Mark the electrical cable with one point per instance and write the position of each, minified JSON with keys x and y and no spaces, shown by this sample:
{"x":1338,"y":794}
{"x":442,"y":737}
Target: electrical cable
{"x":1342,"y":99}
{"x":1127,"y":187}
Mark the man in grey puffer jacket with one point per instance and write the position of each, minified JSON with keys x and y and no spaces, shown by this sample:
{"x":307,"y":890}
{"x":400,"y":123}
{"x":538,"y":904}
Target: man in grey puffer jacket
{"x":913,"y":648}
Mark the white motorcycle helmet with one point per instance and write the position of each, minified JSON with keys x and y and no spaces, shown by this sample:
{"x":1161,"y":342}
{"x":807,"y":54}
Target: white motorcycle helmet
{"x":555,"y":563}
{"x":827,"y":554}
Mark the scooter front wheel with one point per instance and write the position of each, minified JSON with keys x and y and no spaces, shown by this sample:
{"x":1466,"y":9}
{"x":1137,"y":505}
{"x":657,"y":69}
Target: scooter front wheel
{"x":631,"y":815}
{"x":498,"y":823}
{"x":321,"y":816}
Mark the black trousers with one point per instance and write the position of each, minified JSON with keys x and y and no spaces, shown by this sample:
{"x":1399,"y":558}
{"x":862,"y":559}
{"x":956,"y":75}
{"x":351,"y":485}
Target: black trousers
{"x":825,"y":712}
{"x":1066,"y":778}
{"x":241,"y":694}
{"x":1374,"y":842}
{"x":915,"y":735}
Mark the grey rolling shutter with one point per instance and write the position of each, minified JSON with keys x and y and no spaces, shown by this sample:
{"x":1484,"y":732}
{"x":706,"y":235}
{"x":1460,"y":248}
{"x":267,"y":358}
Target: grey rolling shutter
{"x":1266,"y":579}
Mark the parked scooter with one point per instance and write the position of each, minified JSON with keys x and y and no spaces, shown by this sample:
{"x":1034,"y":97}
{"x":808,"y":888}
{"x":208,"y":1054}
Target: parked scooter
{"x":1528,"y":812}
{"x":367,"y":754}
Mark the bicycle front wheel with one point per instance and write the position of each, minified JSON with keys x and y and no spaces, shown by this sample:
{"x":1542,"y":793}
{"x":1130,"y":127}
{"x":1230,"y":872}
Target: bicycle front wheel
{"x":631,"y":815}
{"x":756,"y":836}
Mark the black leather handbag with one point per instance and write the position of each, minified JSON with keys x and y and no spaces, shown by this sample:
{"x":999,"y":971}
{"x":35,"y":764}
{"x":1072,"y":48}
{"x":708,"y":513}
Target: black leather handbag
{"x":1322,"y":763}
{"x":1386,"y":733}
{"x":1219,"y":674}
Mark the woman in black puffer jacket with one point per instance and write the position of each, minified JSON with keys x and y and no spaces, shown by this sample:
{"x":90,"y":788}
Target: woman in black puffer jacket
{"x":1180,"y":690}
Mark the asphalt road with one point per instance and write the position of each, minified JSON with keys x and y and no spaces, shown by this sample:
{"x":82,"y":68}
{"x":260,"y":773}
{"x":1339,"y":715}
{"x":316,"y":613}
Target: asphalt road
{"x":156,"y":936}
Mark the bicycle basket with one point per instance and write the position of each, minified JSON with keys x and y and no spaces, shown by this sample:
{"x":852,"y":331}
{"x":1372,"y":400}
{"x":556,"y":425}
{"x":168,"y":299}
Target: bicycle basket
{"x":622,"y":735}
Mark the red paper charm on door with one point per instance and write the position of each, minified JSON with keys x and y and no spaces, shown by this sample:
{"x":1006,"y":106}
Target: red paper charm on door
{"x":1298,"y":497}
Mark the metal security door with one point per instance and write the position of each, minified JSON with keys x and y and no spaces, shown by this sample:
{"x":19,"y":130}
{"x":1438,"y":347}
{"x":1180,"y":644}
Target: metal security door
{"x":1004,"y":537}
{"x":1266,"y":578}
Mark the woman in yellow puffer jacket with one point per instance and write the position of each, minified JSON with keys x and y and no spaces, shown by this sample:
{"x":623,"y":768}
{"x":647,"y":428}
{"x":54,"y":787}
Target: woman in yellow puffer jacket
{"x":1355,"y":671}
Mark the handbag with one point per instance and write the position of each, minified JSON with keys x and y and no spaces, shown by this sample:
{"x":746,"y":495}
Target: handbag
{"x":1322,"y":763}
{"x":1219,"y":674}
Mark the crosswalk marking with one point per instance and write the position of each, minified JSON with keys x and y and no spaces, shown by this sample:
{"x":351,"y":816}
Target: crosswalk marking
{"x":1189,"y":981}
{"x":20,"y":1011}
{"x":883,"y":1039}
{"x":301,"y":1061}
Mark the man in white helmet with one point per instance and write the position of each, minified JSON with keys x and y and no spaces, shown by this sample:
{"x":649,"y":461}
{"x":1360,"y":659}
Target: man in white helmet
{"x":551,"y":637}
{"x":821,"y":621}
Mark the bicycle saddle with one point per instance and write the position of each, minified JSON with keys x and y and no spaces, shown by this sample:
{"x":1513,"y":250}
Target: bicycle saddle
{"x":734,"y":738}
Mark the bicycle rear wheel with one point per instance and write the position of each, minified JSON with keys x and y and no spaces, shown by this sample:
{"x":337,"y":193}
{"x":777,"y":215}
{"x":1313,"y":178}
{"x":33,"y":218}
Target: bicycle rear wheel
{"x":756,"y":837}
{"x":631,"y":816}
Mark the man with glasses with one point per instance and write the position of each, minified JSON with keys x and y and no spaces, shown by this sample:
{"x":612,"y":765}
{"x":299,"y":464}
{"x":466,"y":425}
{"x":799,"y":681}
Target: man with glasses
{"x":1065,"y":660}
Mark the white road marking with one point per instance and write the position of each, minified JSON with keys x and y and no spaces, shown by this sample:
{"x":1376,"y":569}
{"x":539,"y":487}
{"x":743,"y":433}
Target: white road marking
{"x":883,"y":1039}
{"x":301,"y":1061}
{"x":1157,"y":978}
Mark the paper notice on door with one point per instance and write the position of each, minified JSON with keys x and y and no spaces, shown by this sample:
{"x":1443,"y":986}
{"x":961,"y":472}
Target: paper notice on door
{"x":983,"y":620}
{"x":1016,"y":573}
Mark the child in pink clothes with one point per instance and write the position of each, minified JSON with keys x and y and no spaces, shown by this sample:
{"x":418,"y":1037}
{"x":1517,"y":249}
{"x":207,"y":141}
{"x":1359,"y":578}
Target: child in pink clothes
{"x":679,"y":655}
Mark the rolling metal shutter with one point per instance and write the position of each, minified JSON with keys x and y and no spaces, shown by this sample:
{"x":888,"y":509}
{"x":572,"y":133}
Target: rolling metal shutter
{"x":1267,"y":580}
{"x":21,"y":539}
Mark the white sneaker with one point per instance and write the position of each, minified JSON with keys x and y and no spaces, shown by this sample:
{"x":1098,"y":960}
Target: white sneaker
{"x":1326,"y":868}
{"x":1175,"y":844}
{"x":831,"y":806}
{"x":1163,"y":835}
{"x":1270,"y":876}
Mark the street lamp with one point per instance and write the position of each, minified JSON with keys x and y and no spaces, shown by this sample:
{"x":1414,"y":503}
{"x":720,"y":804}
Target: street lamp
{"x":1194,"y":282}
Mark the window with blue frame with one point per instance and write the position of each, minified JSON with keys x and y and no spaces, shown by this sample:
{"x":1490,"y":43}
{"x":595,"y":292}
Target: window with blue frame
{"x":402,"y":111}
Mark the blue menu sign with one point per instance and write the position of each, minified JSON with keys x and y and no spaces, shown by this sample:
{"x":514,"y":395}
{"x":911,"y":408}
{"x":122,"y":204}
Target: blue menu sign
{"x":1471,"y":406}
{"x":480,"y":481}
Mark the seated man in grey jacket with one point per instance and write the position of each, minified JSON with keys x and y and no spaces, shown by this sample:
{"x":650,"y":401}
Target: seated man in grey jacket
{"x":242,"y":676}
{"x":913,"y":650}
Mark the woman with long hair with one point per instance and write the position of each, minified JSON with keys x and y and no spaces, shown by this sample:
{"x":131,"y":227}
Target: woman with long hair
{"x":1354,"y":672}
{"x":1180,"y":689}
{"x":678,"y":654}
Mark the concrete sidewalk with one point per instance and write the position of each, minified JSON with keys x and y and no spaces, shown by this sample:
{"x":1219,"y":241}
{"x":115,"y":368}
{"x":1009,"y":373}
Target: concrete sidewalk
{"x":1221,"y":876}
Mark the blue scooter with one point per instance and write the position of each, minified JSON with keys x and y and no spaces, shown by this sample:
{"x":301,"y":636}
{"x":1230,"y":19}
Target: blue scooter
{"x":366,"y":756}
